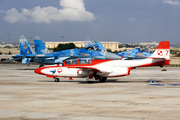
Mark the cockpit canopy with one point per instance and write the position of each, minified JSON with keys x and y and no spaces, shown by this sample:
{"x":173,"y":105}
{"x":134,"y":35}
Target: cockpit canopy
{"x":77,"y":61}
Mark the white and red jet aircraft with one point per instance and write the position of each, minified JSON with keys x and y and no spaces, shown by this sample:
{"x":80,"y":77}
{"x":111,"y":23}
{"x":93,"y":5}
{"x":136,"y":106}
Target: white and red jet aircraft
{"x":101,"y":69}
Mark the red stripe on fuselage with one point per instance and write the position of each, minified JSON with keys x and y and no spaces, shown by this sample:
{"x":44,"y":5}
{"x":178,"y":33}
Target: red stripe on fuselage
{"x":160,"y":63}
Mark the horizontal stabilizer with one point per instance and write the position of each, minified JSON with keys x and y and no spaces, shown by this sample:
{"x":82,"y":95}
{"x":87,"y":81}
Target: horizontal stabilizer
{"x":60,"y":59}
{"x":141,"y":55}
{"x":15,"y":59}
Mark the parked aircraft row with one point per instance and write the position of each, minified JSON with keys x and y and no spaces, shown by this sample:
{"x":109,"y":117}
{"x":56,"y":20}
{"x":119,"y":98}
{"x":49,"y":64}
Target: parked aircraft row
{"x":43,"y":56}
{"x":92,"y":62}
{"x":92,"y":50}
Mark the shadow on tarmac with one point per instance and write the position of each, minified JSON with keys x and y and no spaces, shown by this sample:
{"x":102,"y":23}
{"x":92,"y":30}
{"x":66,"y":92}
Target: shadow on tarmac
{"x":27,"y":69}
{"x":95,"y":82}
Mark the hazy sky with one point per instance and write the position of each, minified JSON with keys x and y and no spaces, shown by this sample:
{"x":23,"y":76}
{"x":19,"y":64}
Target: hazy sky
{"x":107,"y":20}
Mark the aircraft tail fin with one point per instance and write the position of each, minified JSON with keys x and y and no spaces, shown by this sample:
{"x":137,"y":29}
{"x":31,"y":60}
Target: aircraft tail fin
{"x":25,"y":47}
{"x":40,"y":48}
{"x":162,"y":50}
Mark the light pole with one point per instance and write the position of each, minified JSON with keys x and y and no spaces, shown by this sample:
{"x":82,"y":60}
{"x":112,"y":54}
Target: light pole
{"x":9,"y":37}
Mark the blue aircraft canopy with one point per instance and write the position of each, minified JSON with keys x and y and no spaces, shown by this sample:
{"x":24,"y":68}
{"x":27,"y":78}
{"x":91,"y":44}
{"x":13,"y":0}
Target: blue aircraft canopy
{"x":99,"y":45}
{"x":87,"y":42}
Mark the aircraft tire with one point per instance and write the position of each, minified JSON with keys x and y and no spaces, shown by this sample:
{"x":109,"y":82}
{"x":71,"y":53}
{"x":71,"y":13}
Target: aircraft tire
{"x":103,"y":79}
{"x":56,"y":79}
{"x":90,"y":81}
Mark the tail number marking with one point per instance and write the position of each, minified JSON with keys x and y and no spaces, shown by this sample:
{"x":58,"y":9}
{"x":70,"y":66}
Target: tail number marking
{"x":167,"y":52}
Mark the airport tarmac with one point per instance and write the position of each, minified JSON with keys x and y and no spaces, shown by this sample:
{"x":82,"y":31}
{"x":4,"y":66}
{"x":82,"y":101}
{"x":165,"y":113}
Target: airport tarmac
{"x":26,"y":95}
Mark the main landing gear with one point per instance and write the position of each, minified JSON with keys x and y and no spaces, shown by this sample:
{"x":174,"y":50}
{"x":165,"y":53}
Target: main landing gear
{"x":97,"y":77}
{"x":90,"y":81}
{"x":56,"y":79}
{"x":103,"y":79}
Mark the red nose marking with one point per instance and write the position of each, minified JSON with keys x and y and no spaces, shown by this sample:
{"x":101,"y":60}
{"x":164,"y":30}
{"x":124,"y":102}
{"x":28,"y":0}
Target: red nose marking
{"x":38,"y":71}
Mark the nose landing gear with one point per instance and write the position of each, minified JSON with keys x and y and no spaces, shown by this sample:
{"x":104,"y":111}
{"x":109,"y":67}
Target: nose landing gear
{"x":56,"y":79}
{"x":41,"y":65}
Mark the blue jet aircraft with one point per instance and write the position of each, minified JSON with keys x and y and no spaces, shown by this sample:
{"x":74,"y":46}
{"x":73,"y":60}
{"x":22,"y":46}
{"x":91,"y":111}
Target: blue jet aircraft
{"x":137,"y":53}
{"x":43,"y":56}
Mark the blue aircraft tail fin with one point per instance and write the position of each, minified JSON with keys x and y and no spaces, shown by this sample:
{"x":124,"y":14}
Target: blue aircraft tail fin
{"x":40,"y":48}
{"x":25,"y":47}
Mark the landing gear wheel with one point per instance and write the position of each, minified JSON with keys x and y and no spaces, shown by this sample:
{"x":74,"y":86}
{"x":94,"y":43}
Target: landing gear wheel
{"x":41,"y":65}
{"x":103,"y":79}
{"x":96,"y":76}
{"x":56,"y":79}
{"x":163,"y":70}
{"x":90,"y":81}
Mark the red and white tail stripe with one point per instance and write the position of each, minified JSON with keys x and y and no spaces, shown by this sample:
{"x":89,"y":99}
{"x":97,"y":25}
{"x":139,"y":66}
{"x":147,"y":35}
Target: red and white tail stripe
{"x":162,"y":50}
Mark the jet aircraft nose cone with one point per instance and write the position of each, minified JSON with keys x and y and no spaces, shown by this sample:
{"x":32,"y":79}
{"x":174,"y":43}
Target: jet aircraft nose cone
{"x":38,"y":71}
{"x":112,"y":56}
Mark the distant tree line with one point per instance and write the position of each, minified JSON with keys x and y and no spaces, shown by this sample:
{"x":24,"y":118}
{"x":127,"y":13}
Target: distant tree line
{"x":64,"y":47}
{"x":176,"y":53}
{"x":109,"y":50}
{"x":9,"y":53}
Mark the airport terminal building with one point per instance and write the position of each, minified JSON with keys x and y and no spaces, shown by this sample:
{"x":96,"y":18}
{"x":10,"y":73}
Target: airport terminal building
{"x":107,"y":45}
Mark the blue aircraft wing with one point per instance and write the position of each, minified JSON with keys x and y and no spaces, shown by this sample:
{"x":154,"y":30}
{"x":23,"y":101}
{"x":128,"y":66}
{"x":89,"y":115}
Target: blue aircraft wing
{"x":136,"y":53}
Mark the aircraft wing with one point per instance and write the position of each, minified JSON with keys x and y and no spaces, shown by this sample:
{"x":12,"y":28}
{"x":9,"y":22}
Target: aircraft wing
{"x":89,"y":68}
{"x":140,"y":55}
{"x":105,"y":71}
{"x":14,"y":59}
{"x":42,"y":56}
